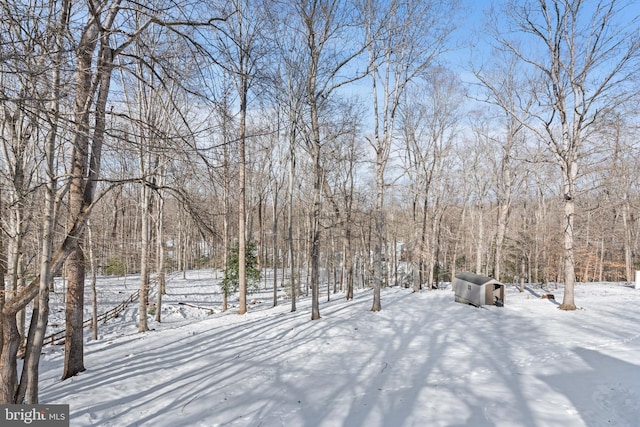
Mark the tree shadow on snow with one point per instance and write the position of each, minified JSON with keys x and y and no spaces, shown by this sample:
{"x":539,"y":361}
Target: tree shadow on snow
{"x":604,"y":392}
{"x":351,"y":368}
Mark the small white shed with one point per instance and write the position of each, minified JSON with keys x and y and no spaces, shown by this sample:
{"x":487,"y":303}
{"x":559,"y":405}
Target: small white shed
{"x":478,"y":290}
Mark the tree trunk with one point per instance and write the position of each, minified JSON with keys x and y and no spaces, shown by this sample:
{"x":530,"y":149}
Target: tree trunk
{"x":160,"y":255}
{"x":226,"y":205}
{"x":290,"y":243}
{"x":315,"y":227}
{"x":29,"y":380}
{"x":274,"y":243}
{"x":10,"y":338}
{"x":379,"y":226}
{"x":570,"y":172}
{"x":422,"y":248}
{"x":84,"y":173}
{"x":145,"y":245}
{"x":348,"y":255}
{"x":15,"y":256}
{"x":94,"y":295}
{"x":242,"y":234}
{"x":503,"y":215}
{"x":316,"y":150}
{"x":8,"y":358}
{"x":2,"y":279}
{"x":73,"y":343}
{"x":627,"y":222}
{"x":480,"y":241}
{"x":456,"y":244}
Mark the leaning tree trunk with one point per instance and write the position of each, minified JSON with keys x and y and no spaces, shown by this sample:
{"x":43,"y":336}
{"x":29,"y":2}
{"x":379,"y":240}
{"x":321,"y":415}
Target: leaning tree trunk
{"x":8,"y":357}
{"x":85,"y":170}
{"x":73,"y":345}
{"x":15,"y":256}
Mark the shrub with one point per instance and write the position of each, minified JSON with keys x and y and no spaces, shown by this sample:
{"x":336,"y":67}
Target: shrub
{"x":230,"y":282}
{"x":115,"y":267}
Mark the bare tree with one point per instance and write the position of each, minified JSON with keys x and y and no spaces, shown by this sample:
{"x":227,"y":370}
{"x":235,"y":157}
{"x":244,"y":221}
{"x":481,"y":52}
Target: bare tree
{"x":150,"y":119}
{"x":41,"y":52}
{"x":276,"y":171}
{"x":330,"y":49}
{"x":403,"y":41}
{"x":481,"y":173}
{"x":503,"y":83}
{"x":98,"y":39}
{"x":289,"y":94}
{"x":582,"y":54}
{"x":429,"y":124}
{"x":240,"y":46}
{"x":349,"y":152}
{"x":23,"y":79}
{"x":106,"y":26}
{"x":91,"y":94}
{"x":621,"y":181}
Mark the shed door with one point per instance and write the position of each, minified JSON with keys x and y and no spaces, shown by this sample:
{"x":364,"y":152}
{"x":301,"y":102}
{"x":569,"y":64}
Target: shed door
{"x":488,"y":290}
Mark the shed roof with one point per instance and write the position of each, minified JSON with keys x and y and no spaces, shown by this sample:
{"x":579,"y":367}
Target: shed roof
{"x":476,"y":278}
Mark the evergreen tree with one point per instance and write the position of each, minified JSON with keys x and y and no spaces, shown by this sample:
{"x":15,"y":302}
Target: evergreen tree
{"x":231,"y":281}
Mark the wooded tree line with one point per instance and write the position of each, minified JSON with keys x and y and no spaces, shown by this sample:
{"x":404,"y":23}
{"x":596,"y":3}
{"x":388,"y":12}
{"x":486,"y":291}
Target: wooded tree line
{"x":334,"y":135}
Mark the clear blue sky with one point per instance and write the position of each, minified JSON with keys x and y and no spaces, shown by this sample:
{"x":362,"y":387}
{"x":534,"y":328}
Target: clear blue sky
{"x":470,"y":34}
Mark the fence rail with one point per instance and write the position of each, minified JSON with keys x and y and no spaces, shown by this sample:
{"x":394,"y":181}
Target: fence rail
{"x":57,"y":338}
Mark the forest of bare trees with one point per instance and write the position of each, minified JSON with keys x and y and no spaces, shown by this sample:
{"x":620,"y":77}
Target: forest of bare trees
{"x":345,"y":140}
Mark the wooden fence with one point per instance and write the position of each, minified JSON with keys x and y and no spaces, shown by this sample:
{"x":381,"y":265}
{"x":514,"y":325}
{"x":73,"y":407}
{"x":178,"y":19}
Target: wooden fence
{"x":57,"y":338}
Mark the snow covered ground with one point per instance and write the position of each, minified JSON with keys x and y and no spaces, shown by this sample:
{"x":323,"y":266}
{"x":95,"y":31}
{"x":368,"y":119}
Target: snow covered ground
{"x":424,"y":360}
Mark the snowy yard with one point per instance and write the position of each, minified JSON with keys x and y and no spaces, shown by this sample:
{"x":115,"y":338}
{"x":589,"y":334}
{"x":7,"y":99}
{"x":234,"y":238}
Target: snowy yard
{"x":424,"y":360}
